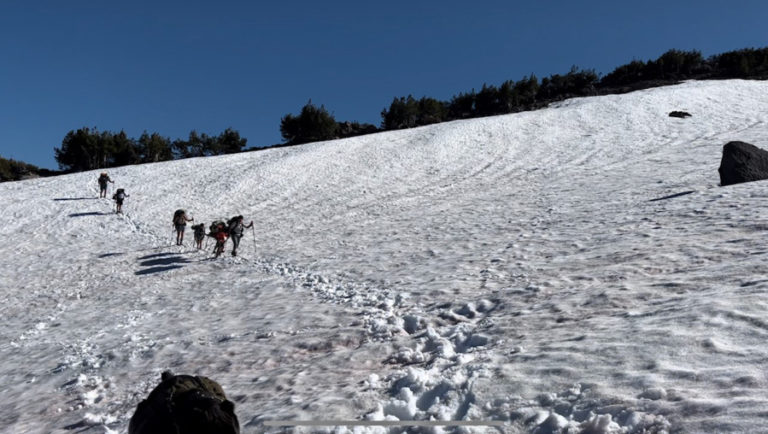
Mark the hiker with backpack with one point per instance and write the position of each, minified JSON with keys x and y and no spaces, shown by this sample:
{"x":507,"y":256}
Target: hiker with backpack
{"x":119,"y":197}
{"x":103,"y":180}
{"x":180,"y":220}
{"x":218,"y":231}
{"x":236,"y":228}
{"x":199,"y":234}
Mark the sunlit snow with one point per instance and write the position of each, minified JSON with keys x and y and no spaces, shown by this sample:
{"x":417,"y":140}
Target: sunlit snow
{"x":509,"y":268}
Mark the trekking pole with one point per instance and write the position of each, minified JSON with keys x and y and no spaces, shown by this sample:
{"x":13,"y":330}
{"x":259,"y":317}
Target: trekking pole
{"x":253,"y":232}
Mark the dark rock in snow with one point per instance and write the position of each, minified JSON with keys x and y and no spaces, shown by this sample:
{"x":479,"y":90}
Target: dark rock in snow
{"x":185,"y":404}
{"x":742,"y":162}
{"x":679,"y":114}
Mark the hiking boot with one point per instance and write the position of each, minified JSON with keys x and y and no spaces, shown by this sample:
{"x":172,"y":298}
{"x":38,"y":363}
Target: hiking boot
{"x":234,"y":253}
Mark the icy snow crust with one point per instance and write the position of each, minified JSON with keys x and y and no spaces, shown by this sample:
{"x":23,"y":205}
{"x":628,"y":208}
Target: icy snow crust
{"x":510,"y":268}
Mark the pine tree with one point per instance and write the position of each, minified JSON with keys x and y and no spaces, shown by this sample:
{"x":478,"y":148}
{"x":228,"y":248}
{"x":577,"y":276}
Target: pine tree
{"x":313,"y":124}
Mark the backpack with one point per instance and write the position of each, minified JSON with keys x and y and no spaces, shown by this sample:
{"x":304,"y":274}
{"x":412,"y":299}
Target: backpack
{"x":199,"y":230}
{"x":217,"y":226}
{"x":185,"y":404}
{"x":119,"y":195}
{"x":179,"y":217}
{"x":232,"y":223}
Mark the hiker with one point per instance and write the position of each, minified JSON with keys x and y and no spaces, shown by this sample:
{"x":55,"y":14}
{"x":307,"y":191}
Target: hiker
{"x":185,"y":404}
{"x":218,"y":231}
{"x":199,"y":234}
{"x":119,"y":197}
{"x":103,"y":180}
{"x":180,"y":220}
{"x":236,"y":228}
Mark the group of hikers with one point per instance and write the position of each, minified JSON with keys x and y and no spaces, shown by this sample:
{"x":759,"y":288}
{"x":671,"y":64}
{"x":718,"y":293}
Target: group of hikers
{"x":218,"y":230}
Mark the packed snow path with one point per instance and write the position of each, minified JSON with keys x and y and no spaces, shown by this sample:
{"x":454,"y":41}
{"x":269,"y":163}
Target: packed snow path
{"x":511,"y":268}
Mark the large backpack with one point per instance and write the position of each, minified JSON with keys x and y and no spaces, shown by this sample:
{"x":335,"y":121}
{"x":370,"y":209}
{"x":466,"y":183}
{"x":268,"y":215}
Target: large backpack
{"x":217,"y":226}
{"x":119,"y":195}
{"x":232,"y":223}
{"x":179,"y":217}
{"x":199,"y":230}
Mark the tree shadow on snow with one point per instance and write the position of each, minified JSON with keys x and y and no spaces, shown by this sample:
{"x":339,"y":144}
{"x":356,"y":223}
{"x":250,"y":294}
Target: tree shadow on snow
{"x":86,"y":214}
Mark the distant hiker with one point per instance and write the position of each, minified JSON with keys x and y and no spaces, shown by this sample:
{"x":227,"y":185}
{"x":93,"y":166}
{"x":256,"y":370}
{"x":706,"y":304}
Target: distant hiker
{"x":236,"y":228}
{"x":103,"y":180}
{"x":218,"y":231}
{"x":185,"y":404}
{"x":199,"y":234}
{"x":180,"y":220}
{"x":119,"y":197}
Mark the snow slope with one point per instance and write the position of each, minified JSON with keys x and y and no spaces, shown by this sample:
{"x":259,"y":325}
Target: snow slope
{"x":511,"y":268}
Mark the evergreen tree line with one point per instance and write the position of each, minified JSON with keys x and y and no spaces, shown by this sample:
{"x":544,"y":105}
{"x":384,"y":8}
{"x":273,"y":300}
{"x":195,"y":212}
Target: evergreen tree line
{"x":88,"y":149}
{"x":12,"y":170}
{"x":316,"y":123}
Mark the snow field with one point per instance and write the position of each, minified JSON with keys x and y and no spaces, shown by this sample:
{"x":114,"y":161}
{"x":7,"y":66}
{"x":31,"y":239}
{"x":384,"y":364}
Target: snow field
{"x":511,"y":268}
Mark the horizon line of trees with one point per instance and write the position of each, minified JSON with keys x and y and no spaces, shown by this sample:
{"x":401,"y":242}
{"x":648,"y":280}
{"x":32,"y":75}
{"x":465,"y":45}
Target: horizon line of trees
{"x":316,"y":123}
{"x":14,"y":170}
{"x":87,"y":149}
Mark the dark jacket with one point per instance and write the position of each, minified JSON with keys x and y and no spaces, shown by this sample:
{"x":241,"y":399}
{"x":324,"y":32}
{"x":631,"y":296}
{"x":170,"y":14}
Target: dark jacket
{"x":103,"y":180}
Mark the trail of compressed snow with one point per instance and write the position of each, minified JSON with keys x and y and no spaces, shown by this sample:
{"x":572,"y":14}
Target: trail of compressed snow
{"x":510,"y":268}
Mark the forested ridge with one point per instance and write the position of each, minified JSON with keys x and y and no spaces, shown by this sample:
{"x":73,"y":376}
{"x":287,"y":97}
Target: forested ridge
{"x":88,"y":148}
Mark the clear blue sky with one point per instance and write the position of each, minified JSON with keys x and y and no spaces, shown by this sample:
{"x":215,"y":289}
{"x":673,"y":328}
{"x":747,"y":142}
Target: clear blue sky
{"x":174,"y":66}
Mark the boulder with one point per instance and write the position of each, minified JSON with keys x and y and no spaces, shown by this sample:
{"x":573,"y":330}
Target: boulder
{"x":679,"y":114}
{"x":742,"y":162}
{"x":185,"y":404}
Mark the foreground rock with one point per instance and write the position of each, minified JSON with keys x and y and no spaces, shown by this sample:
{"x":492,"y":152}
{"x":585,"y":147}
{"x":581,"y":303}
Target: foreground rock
{"x":185,"y":404}
{"x":742,"y":162}
{"x":679,"y":114}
